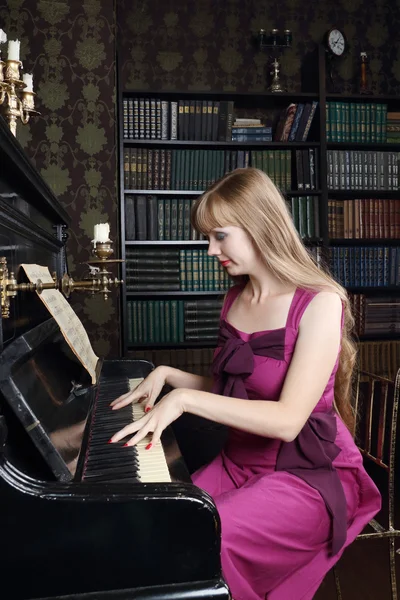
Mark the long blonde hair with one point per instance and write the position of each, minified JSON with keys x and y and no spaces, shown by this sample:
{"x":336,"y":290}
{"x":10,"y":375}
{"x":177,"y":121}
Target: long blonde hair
{"x":247,"y":198}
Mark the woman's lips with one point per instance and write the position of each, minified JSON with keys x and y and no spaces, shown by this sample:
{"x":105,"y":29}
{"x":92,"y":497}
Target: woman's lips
{"x":225,"y":263}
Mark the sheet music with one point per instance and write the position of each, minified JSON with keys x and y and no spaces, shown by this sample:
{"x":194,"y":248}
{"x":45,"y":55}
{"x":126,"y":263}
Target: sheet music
{"x":69,"y":323}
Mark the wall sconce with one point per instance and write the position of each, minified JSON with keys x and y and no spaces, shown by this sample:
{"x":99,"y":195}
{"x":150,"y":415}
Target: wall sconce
{"x":11,"y":87}
{"x":97,"y":281}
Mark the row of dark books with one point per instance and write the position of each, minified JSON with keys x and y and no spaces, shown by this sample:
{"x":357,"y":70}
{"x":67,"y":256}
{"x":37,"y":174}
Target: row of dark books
{"x":147,"y":169}
{"x":381,"y":358}
{"x":364,"y":218}
{"x":151,"y":169}
{"x":365,"y":266}
{"x":193,"y":360}
{"x":295,"y":122}
{"x":356,"y":122}
{"x":155,"y":218}
{"x":174,"y":270}
{"x":156,"y":119}
{"x":362,"y":170}
{"x":375,"y":315}
{"x":174,"y":321}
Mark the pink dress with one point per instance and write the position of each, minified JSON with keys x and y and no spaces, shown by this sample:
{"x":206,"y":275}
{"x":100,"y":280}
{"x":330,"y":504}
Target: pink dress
{"x":277,"y":530}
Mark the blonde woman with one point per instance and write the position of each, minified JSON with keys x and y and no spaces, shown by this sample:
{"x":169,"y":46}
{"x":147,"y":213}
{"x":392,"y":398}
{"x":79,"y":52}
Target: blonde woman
{"x":289,"y":485}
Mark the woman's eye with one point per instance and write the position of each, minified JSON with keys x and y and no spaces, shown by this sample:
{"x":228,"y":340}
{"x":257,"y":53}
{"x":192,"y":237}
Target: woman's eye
{"x":220,"y":236}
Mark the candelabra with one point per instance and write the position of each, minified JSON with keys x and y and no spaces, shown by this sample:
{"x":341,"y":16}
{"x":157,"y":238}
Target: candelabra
{"x":274,"y":43}
{"x":10,"y":87}
{"x":97,"y":280}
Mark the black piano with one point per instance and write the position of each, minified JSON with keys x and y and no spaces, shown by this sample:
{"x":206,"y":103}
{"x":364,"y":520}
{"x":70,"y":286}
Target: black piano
{"x":81,"y":518}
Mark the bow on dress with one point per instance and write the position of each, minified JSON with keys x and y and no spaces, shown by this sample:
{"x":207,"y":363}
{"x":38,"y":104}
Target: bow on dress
{"x":310,"y":455}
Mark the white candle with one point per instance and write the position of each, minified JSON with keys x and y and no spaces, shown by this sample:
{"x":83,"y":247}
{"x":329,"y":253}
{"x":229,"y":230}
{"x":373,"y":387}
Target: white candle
{"x":27,"y":78}
{"x":3,"y":37}
{"x":101,"y":233}
{"x":13,"y":49}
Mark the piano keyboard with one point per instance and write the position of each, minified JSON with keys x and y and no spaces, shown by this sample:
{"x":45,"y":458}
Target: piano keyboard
{"x":152,"y":464}
{"x":114,"y":462}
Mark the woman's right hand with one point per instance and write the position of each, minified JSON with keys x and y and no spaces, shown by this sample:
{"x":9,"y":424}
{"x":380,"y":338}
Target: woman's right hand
{"x":147,"y":391}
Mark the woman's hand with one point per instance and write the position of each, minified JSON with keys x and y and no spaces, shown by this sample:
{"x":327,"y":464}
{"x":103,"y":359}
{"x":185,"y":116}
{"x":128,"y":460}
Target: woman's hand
{"x":147,"y":391}
{"x":166,"y":412}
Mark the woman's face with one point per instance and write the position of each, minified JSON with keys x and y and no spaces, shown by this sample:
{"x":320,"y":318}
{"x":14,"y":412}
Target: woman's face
{"x":234,"y":249}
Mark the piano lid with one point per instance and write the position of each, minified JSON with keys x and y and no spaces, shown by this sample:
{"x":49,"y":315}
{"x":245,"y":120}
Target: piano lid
{"x":43,"y":382}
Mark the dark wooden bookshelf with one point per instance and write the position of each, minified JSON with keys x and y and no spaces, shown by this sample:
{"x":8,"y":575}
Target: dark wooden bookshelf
{"x":268,"y":103}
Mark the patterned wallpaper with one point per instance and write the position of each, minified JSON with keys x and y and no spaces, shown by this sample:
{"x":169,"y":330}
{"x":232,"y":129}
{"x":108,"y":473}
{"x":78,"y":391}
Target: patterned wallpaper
{"x":209,"y":44}
{"x":169,"y":45}
{"x":69,"y":46}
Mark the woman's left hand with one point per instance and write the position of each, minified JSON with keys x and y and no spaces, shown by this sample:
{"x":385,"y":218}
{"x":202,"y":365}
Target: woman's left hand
{"x":165,"y":412}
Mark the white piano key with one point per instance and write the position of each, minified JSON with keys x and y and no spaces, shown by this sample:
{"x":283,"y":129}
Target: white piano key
{"x":153,"y":467}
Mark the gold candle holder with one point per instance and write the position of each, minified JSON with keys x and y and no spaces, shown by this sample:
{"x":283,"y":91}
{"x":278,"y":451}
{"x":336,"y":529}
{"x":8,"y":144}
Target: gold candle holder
{"x":11,"y":87}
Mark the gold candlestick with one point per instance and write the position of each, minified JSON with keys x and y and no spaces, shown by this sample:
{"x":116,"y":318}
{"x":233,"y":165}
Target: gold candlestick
{"x":10,"y":88}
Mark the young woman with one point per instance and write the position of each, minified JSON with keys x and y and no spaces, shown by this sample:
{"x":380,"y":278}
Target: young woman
{"x":289,"y":485}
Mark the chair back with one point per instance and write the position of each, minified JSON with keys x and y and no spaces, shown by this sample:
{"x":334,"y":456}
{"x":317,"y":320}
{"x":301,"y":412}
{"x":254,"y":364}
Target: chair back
{"x":376,"y":406}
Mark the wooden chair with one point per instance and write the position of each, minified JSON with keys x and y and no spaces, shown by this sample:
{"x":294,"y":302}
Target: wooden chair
{"x":377,"y":402}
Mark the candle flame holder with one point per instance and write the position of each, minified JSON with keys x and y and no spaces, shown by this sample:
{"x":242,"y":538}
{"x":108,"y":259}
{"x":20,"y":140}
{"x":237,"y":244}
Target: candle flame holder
{"x":97,"y":281}
{"x":275,"y":43}
{"x":11,"y":88}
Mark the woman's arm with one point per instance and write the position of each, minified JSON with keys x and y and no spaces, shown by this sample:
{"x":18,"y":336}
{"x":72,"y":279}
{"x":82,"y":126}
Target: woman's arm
{"x":312,"y":363}
{"x":181,"y":379}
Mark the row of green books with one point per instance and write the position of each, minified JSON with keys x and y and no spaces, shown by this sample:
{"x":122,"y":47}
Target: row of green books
{"x":153,"y":169}
{"x":356,"y":122}
{"x":174,"y":321}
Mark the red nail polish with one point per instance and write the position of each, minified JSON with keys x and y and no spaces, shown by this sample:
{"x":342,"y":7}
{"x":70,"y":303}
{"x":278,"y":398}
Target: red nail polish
{"x":149,"y":446}
{"x":147,"y":409}
{"x":110,"y":441}
{"x":125,"y":445}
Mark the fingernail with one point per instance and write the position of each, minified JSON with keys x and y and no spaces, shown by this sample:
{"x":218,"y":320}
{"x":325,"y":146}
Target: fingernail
{"x":147,"y":409}
{"x":149,"y":446}
{"x":110,"y":441}
{"x":125,"y":445}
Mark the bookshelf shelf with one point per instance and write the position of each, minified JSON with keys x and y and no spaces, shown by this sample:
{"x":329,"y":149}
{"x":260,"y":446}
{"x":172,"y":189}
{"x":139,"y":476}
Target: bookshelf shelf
{"x":374,"y":290}
{"x":177,"y":293}
{"x":232,"y":144}
{"x":362,"y":98}
{"x":260,"y":94}
{"x":307,"y":241}
{"x":388,"y":146}
{"x":166,"y":192}
{"x":350,"y":194}
{"x":199,"y":192}
{"x":364,"y":242}
{"x":378,"y":337}
{"x":191,"y":344}
{"x":167,"y":243}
